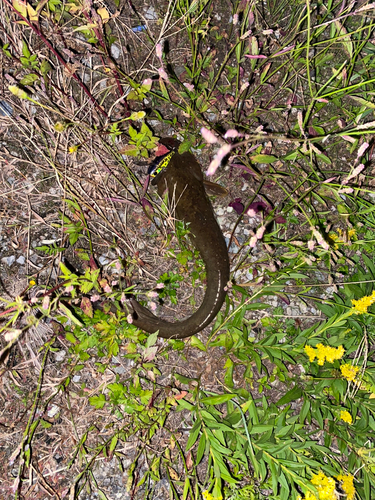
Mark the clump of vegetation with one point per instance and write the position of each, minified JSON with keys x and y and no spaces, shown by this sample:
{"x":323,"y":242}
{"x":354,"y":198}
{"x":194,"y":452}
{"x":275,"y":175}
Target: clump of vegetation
{"x":276,"y":100}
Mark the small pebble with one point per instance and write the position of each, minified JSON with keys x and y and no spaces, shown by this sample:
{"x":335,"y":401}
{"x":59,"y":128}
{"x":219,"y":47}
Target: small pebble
{"x":8,"y":260}
{"x":60,"y":355}
{"x":115,"y":51}
{"x":54,"y":410}
{"x":151,"y":14}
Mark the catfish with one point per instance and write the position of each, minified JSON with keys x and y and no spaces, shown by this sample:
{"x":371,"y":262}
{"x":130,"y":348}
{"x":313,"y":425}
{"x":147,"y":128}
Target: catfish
{"x":182,"y":176}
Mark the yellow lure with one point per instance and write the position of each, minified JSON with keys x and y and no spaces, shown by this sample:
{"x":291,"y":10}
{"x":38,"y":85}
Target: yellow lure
{"x":159,"y":164}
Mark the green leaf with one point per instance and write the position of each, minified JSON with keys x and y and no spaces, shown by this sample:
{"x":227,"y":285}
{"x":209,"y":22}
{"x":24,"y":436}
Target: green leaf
{"x":363,"y":102}
{"x":260,"y":428}
{"x":263,"y":158}
{"x":25,"y":50}
{"x":220,"y":468}
{"x":291,"y":395}
{"x":29,"y":79}
{"x":185,"y":146}
{"x":98,"y":401}
{"x":284,"y":491}
{"x":194,"y":433}
{"x":71,"y":338}
{"x":291,"y":156}
{"x":130,"y":150}
{"x":113,"y":444}
{"x":201,"y":448}
{"x":70,"y":314}
{"x":151,"y":339}
{"x":187,"y":488}
{"x":304,"y":410}
{"x":195,"y":342}
{"x":132,"y":132}
{"x":45,"y":67}
{"x":185,"y":405}
{"x":366,"y":486}
{"x":45,"y":424}
{"x":183,"y":379}
{"x":216,"y":400}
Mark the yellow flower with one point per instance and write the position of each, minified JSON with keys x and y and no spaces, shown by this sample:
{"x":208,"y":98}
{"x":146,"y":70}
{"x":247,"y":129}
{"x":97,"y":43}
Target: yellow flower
{"x":310,"y":351}
{"x":325,"y":486}
{"x":206,"y":495}
{"x":32,"y":282}
{"x":308,"y":496}
{"x":342,"y":237}
{"x":360,"y":306}
{"x":333,"y":353}
{"x":73,"y":149}
{"x":347,"y":485}
{"x":324,"y":353}
{"x":349,"y":372}
{"x":346,"y":417}
{"x":209,"y":496}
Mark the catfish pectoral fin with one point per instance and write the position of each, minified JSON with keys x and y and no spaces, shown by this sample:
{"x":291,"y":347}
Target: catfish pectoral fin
{"x":214,"y":189}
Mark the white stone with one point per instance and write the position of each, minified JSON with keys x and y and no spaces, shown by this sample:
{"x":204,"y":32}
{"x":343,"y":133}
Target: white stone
{"x":103,"y":260}
{"x":151,"y":14}
{"x":60,"y":355}
{"x":115,"y":51}
{"x":54,"y":410}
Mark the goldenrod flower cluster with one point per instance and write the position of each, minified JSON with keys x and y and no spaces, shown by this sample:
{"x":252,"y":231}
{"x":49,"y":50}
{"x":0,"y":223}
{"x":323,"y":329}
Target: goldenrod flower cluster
{"x":308,"y":496}
{"x":340,"y":237}
{"x":347,"y":485}
{"x":360,"y":306}
{"x":209,"y":496}
{"x":324,"y":353}
{"x":326,"y":487}
{"x":346,"y":417}
{"x":349,"y":372}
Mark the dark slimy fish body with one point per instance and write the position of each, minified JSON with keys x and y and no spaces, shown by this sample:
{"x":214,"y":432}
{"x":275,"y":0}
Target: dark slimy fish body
{"x":183,"y":178}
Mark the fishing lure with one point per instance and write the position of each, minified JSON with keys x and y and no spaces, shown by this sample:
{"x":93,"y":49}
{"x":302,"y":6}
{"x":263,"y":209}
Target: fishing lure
{"x":159,"y":164}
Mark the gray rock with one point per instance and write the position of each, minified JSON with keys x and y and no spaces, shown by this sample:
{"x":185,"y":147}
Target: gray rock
{"x":9,"y":260}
